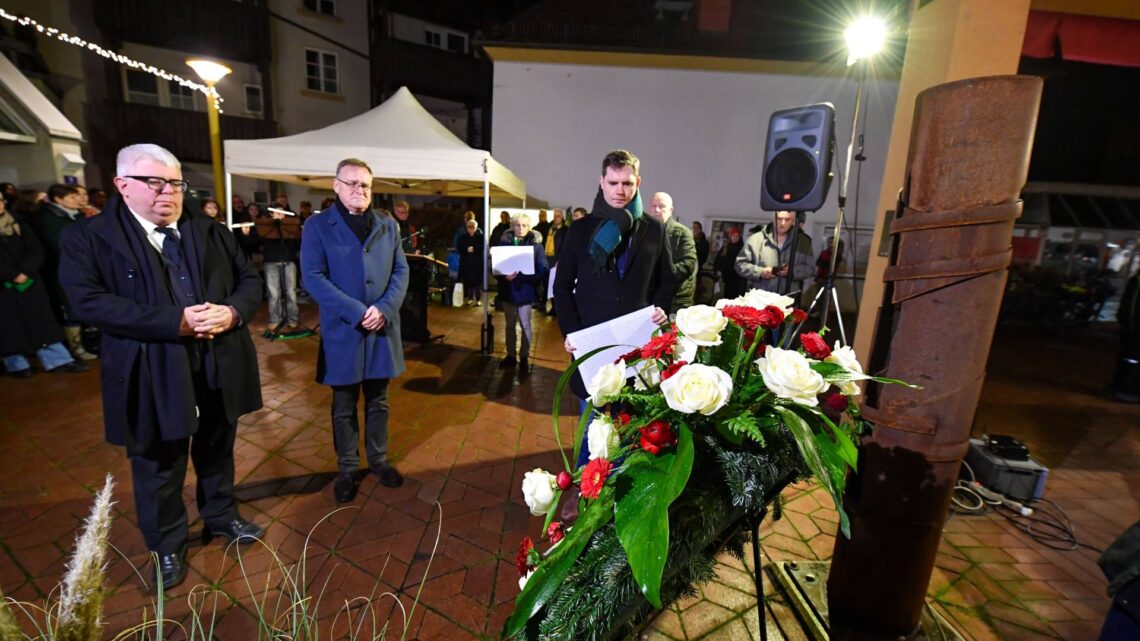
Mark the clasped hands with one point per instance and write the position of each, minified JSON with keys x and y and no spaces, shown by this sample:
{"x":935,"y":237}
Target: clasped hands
{"x":207,"y":320}
{"x":373,"y":319}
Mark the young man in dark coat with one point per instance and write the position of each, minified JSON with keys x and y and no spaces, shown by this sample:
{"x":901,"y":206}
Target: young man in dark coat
{"x":682,"y":248}
{"x":172,"y":293}
{"x":614,"y":261}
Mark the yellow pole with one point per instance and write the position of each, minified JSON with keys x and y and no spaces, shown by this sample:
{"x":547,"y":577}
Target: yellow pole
{"x":215,"y":145}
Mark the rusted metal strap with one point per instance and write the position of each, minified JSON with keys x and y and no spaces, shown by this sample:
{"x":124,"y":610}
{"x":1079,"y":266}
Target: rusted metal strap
{"x":904,"y":418}
{"x":914,"y":220}
{"x":969,"y":266}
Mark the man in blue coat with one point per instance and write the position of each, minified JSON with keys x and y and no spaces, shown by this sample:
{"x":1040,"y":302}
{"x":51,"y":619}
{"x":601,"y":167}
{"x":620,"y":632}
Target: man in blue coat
{"x":171,"y":292}
{"x":353,"y":265}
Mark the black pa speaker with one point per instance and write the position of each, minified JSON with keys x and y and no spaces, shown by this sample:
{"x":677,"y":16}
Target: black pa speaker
{"x":797,"y":158}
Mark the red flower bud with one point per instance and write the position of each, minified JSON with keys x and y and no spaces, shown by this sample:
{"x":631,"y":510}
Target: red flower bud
{"x":657,"y":436}
{"x":624,"y":418}
{"x":771,"y":317}
{"x":799,"y":316}
{"x":564,"y":481}
{"x":554,"y":532}
{"x":836,"y":401}
{"x":815,"y":346}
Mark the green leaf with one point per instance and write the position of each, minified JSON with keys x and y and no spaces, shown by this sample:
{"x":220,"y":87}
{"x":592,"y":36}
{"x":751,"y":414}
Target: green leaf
{"x":548,"y":576}
{"x":745,"y":424}
{"x":724,"y":355}
{"x":563,"y":381}
{"x":809,"y":449}
{"x":641,"y":514}
{"x":833,"y":373}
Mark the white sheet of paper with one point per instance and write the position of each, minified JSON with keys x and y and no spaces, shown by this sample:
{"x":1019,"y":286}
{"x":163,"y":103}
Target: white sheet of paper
{"x":550,"y":285}
{"x":624,"y":333}
{"x":508,"y":259}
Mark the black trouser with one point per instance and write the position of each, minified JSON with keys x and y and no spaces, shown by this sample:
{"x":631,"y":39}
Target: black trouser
{"x":346,"y":424}
{"x":159,"y":472}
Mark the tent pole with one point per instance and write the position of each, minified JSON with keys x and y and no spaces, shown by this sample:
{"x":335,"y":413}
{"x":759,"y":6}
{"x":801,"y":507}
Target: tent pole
{"x":487,"y":344}
{"x":229,"y":202}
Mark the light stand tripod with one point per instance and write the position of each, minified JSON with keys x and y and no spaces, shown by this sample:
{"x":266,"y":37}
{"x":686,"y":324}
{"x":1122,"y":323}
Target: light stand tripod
{"x":827,"y":293}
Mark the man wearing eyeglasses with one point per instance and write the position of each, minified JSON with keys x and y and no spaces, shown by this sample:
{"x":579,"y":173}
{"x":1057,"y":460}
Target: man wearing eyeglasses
{"x":353,"y":266}
{"x":171,"y":292}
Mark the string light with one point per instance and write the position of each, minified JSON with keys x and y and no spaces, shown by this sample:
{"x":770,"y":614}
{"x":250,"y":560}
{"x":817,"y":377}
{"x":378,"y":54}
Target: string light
{"x":52,"y":32}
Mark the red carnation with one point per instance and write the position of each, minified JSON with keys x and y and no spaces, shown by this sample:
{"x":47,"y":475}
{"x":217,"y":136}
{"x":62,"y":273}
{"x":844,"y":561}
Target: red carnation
{"x":594,"y":477}
{"x":748,"y":318}
{"x":554,"y":532}
{"x":799,"y":315}
{"x":522,"y":559}
{"x":629,"y":356}
{"x":657,"y":436}
{"x":771,"y":317}
{"x":672,"y":369}
{"x":564,"y":481}
{"x":836,"y":401}
{"x":660,"y":346}
{"x":815,"y":346}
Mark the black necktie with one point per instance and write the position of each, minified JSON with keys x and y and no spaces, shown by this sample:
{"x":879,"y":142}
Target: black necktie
{"x":171,"y":250}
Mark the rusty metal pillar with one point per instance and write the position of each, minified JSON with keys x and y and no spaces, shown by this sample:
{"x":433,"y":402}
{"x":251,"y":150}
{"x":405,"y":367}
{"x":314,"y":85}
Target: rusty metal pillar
{"x":967,"y":162}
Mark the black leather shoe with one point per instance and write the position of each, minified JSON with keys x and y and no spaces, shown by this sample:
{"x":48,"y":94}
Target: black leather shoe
{"x":389,"y":476}
{"x":507,"y":362}
{"x":344,"y":487}
{"x":239,"y":529}
{"x":171,"y":570}
{"x":74,"y":367}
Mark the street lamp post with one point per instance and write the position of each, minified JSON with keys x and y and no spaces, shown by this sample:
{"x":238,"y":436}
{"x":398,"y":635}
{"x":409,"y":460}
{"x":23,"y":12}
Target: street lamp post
{"x":211,"y":72}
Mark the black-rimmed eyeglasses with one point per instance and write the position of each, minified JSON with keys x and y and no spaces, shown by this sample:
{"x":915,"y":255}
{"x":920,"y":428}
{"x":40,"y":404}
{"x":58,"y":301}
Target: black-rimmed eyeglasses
{"x":158,"y":184}
{"x":353,"y":185}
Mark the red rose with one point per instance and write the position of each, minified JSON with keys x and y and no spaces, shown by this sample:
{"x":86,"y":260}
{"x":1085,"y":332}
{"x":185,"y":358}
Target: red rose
{"x":629,"y":356}
{"x":660,"y":346}
{"x":594,"y":477}
{"x":657,"y":436}
{"x":815,"y":346}
{"x":672,"y":369}
{"x":522,"y":559}
{"x":554,"y":532}
{"x":623,"y":418}
{"x":564,"y":481}
{"x":799,"y":315}
{"x":836,"y":401}
{"x":771,"y":317}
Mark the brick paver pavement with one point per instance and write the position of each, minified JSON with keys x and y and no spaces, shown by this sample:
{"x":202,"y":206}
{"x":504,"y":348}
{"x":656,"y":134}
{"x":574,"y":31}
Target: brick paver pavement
{"x":464,"y":432}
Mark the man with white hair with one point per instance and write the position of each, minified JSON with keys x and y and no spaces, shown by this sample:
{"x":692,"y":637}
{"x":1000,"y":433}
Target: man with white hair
{"x":683,"y":248}
{"x":171,"y":293}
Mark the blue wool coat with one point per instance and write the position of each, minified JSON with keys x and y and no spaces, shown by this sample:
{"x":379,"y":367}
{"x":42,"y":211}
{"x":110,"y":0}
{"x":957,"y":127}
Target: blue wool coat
{"x":345,"y":278}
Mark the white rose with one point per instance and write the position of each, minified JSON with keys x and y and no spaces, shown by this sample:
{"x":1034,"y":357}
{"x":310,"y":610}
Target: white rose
{"x":648,"y":375}
{"x":725,"y":302}
{"x":538,"y":490}
{"x":602,"y":439}
{"x":702,"y":324}
{"x":524,"y":579}
{"x":686,"y":349}
{"x":760,"y":299}
{"x":607,"y":383}
{"x":697,"y":388}
{"x":845,"y":358}
{"x":789,"y":375}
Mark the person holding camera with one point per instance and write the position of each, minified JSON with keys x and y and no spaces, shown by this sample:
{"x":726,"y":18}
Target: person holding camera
{"x":767,"y":256}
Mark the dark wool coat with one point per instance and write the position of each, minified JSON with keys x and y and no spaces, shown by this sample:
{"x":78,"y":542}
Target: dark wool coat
{"x":684,"y":252}
{"x":114,"y":280}
{"x":584,"y":297}
{"x":346,"y":278}
{"x":49,"y":223}
{"x":26,"y":320}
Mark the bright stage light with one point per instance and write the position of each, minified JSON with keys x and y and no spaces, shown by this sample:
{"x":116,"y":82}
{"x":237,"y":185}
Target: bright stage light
{"x":864,"y":38}
{"x":208,"y":70}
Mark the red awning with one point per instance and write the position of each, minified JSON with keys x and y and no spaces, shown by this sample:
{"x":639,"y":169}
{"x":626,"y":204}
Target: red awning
{"x":1106,"y":41}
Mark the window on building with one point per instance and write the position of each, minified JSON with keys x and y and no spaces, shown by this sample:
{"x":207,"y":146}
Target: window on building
{"x":457,"y":42}
{"x":432,"y":38}
{"x":320,"y":71}
{"x":142,"y":87}
{"x":181,"y":97}
{"x":327,"y":7}
{"x":253,"y":103}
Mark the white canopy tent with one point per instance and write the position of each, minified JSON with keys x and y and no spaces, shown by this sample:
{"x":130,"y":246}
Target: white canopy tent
{"x":409,"y":151}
